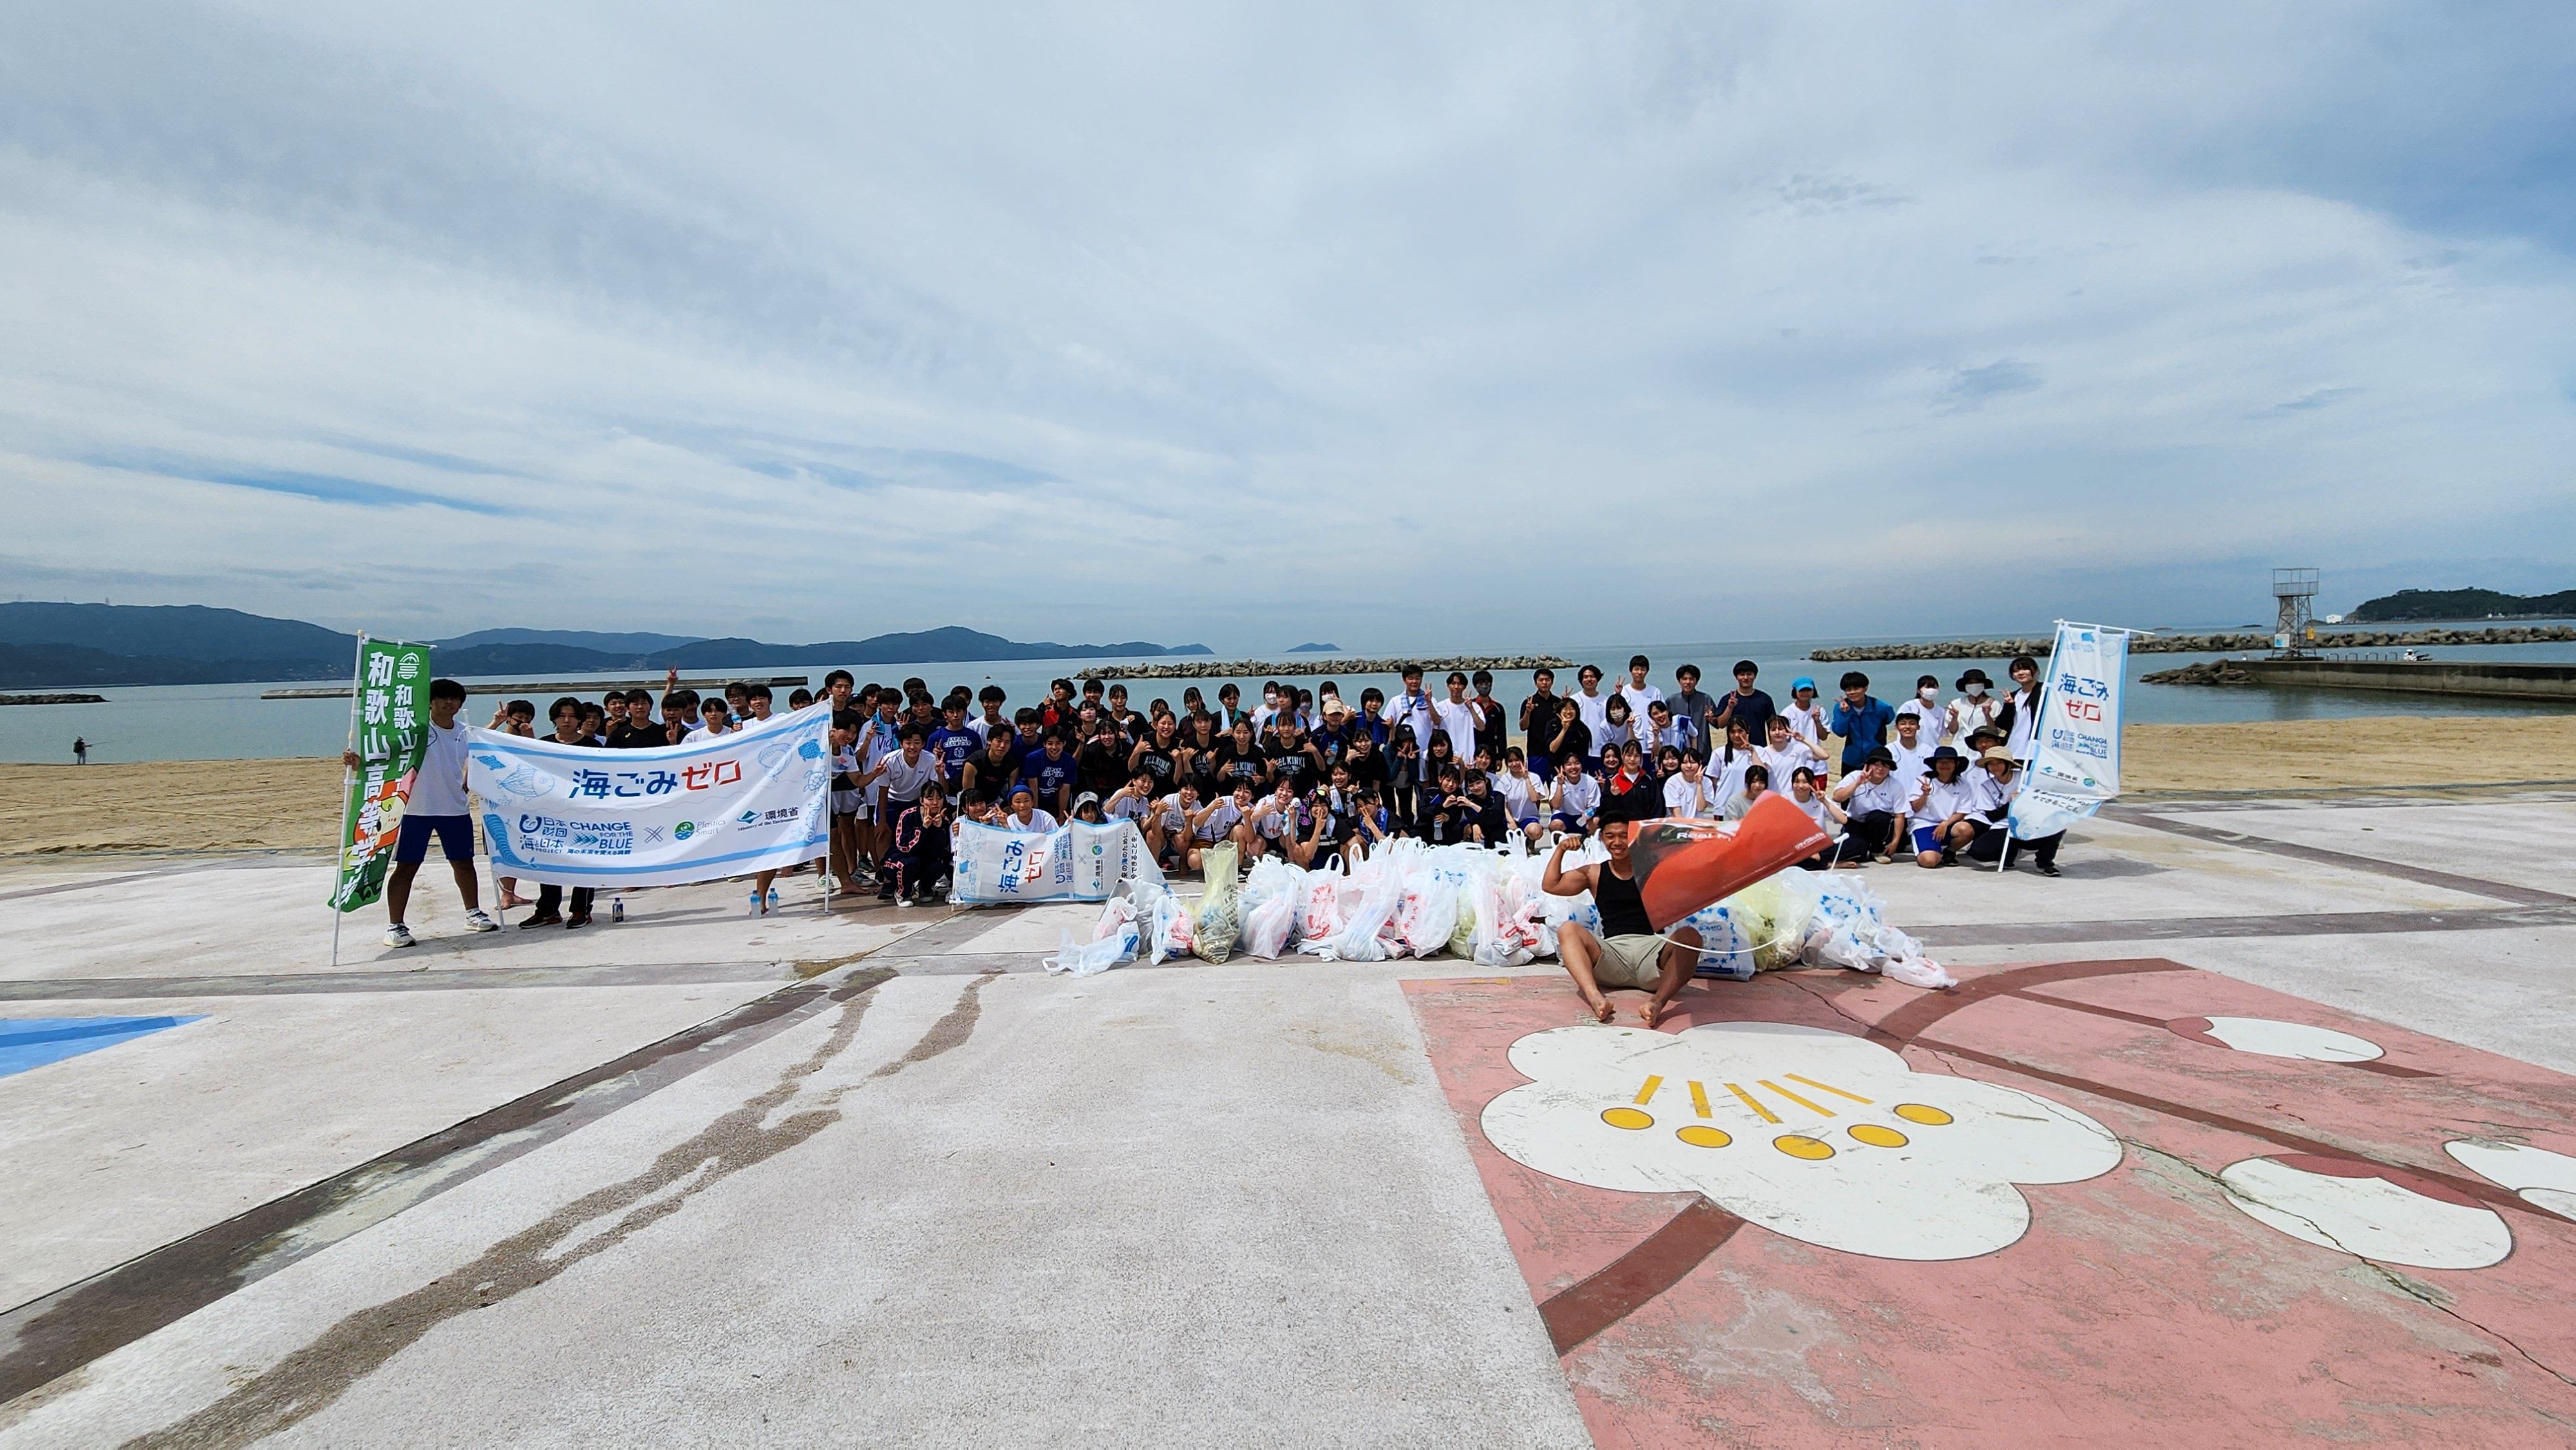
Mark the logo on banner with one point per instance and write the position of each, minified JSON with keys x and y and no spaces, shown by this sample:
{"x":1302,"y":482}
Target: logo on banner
{"x":684,"y":830}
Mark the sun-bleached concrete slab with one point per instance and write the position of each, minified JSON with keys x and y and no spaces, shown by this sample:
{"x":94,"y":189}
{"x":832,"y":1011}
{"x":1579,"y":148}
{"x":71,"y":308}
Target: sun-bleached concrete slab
{"x":270,"y":920}
{"x":117,"y":1151}
{"x":2521,"y":843}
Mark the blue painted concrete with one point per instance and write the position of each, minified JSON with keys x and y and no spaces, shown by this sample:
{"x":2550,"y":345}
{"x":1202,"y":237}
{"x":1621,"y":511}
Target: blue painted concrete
{"x":27,"y":1042}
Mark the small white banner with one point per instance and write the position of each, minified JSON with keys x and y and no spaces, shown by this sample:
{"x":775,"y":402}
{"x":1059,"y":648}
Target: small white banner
{"x":1070,"y":863}
{"x":2075,"y":755}
{"x":717,"y":806}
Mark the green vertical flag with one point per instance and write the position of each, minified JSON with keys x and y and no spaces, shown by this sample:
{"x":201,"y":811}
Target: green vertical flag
{"x":390,"y":725}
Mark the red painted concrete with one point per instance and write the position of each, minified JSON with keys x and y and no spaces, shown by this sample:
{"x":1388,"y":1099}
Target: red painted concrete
{"x":2140,"y":1307}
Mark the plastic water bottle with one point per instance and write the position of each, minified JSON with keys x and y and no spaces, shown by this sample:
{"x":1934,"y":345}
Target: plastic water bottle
{"x":773,"y":898}
{"x":617,"y":908}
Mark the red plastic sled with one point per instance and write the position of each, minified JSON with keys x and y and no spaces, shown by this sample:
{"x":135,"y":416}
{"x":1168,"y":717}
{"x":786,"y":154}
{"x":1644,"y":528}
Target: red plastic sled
{"x":1684,"y":865}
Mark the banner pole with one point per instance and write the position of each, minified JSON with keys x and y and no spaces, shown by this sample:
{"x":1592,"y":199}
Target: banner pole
{"x":348,"y":777}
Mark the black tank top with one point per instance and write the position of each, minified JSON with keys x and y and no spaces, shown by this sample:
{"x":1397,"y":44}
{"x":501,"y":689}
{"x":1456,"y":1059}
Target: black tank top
{"x":1623,"y":910}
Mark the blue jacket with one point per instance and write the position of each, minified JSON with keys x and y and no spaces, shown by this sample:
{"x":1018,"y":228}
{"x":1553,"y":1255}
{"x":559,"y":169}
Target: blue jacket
{"x":1863,"y":730}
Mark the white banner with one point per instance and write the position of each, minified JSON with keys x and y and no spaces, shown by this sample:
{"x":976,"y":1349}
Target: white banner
{"x":717,"y":806}
{"x":1070,"y":863}
{"x":2075,"y":753}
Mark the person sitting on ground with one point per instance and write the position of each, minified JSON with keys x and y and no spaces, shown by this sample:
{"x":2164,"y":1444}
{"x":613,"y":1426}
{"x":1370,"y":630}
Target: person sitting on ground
{"x":1524,"y":796}
{"x":1086,"y":809}
{"x":1912,"y":750}
{"x":1024,"y":815}
{"x":1944,"y":810}
{"x":1214,"y":822}
{"x":1274,"y":823}
{"x":922,"y":852}
{"x":1877,"y":806}
{"x":1757,"y":784}
{"x":438,"y":807}
{"x":1806,"y":795}
{"x":1628,"y":952}
{"x":1995,"y":796}
{"x":1690,"y":793}
{"x":1631,"y":773}
{"x":1167,"y":831}
{"x":1133,"y":801}
{"x":1487,"y":825}
{"x":1446,"y":811}
{"x":1575,"y":804}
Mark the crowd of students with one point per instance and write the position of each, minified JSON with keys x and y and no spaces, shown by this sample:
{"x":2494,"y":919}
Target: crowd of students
{"x":1321,"y":780}
{"x":1317,"y":778}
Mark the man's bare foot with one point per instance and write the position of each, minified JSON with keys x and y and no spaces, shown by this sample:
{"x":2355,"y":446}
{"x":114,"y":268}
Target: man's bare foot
{"x":1601,"y":1010}
{"x":1652,"y":1011}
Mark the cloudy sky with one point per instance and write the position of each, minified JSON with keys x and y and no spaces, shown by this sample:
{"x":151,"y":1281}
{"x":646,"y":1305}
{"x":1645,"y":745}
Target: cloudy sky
{"x":1397,"y":326}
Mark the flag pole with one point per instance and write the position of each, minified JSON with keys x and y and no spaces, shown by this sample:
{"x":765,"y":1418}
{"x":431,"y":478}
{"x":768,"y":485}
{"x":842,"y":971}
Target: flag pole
{"x":348,"y":777}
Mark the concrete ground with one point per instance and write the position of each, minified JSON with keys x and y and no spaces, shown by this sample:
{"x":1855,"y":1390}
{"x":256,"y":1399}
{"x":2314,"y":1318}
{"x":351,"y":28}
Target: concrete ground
{"x":873,"y":1177}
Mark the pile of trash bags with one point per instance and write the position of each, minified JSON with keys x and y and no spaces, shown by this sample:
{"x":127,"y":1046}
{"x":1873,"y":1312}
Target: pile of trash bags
{"x":1481,"y":905}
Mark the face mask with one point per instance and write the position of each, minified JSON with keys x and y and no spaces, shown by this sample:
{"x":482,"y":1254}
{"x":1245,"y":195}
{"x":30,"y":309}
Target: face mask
{"x":1929,"y":694}
{"x":1975,"y":690}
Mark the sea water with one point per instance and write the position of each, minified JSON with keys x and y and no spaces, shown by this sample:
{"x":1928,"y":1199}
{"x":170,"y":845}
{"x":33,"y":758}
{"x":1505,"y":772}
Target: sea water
{"x":231,"y":722}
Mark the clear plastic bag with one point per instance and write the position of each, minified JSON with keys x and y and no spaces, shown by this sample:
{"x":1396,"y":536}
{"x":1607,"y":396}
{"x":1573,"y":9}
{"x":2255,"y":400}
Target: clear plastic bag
{"x":1266,"y":927}
{"x":1357,"y":941}
{"x":1219,"y":920}
{"x":1084,"y":959}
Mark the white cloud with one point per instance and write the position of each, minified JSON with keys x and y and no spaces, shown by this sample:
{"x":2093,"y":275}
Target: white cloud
{"x":905,"y":318}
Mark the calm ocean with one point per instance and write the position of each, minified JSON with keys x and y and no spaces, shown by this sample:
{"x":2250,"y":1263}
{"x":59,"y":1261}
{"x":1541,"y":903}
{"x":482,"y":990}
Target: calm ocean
{"x":231,"y":722}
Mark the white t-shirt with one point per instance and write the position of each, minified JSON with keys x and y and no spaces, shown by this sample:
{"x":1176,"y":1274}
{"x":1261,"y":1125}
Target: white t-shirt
{"x":1038,"y":822}
{"x":1725,"y":774}
{"x":1814,"y":806}
{"x":1965,"y":715}
{"x":1784,"y":762}
{"x":1639,"y":697}
{"x":1460,"y":721}
{"x":1882,"y":795}
{"x":1942,"y":801}
{"x":1594,"y":711}
{"x":1129,"y":808}
{"x":1993,"y":796}
{"x":1807,"y":722}
{"x":1699,"y":800}
{"x":903,"y":782}
{"x":1219,"y":821}
{"x":1520,"y":794}
{"x":2025,"y":725}
{"x":1578,"y":797}
{"x":1911,"y":765}
{"x":439,"y":788}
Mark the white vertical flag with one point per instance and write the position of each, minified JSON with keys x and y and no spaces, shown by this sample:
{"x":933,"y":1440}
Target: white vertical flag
{"x":2075,"y":753}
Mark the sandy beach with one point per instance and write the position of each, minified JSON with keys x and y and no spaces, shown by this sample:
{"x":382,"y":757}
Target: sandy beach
{"x":270,"y":805}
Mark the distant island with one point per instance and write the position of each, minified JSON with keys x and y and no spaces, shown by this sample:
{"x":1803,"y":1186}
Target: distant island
{"x":1316,"y":649}
{"x":127,"y":644}
{"x":2449,"y":604}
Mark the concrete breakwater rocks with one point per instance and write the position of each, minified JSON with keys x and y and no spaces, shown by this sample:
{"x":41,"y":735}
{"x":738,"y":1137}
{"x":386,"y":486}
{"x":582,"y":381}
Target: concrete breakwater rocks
{"x":1247,"y":669}
{"x":2192,"y":644}
{"x":2215,"y":672}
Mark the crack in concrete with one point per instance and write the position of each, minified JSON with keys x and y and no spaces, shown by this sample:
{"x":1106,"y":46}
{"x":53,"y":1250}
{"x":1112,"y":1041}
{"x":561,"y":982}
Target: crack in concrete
{"x":2420,"y":1293}
{"x":314,"y":1377}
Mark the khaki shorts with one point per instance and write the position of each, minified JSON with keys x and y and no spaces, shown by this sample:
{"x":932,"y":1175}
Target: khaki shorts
{"x":1630,"y":961}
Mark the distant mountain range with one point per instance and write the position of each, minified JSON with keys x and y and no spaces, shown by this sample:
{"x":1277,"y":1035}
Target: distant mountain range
{"x":2449,"y":604}
{"x":1315,"y":649}
{"x":126,"y":644}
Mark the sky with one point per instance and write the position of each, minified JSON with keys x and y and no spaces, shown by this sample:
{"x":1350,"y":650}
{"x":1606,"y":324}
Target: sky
{"x":1394,"y":326}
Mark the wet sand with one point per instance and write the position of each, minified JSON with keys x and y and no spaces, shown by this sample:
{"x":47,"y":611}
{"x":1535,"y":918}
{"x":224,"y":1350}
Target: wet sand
{"x":268,"y":805}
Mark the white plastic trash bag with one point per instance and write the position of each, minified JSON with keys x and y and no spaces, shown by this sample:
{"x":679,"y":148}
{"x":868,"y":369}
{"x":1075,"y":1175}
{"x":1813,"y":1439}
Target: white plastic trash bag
{"x":1083,"y":959}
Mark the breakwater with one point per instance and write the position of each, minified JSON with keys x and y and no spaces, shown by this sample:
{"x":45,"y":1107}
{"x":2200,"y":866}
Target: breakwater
{"x":2490,"y":678}
{"x":2194,"y":644}
{"x":53,"y":699}
{"x":1244,"y":669}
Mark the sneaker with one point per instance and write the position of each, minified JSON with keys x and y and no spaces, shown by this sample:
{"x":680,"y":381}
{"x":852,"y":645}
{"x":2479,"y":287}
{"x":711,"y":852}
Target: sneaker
{"x":398,"y":935}
{"x":475,"y":920}
{"x":549,"y":919}
{"x":583,"y":919}
{"x":2048,"y":870}
{"x":908,"y":901}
